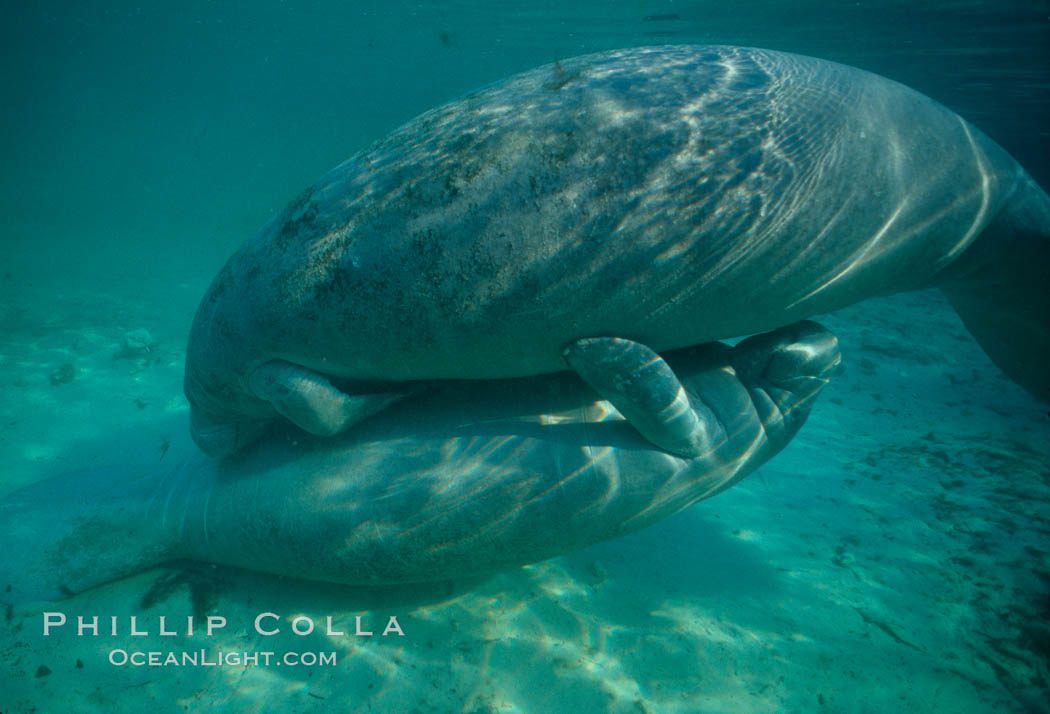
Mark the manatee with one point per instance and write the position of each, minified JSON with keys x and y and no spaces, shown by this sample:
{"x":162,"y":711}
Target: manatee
{"x":468,"y":478}
{"x":671,"y":196}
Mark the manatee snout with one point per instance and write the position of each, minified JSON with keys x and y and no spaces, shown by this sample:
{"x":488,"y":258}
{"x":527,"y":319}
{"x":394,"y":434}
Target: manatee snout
{"x":219,"y":438}
{"x":224,"y":418}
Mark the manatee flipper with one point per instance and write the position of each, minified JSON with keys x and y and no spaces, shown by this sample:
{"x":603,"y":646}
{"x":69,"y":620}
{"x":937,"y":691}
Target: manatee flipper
{"x":643,"y":388}
{"x":783,"y":370}
{"x":310,"y":401}
{"x":765,"y":380}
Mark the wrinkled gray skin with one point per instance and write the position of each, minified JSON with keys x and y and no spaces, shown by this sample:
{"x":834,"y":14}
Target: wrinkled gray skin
{"x":670,"y":195}
{"x":470,"y":478}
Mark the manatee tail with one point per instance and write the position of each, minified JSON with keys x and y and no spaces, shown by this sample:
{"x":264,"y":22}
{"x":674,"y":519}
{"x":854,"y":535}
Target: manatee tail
{"x":1001,"y":288}
{"x":69,"y":533}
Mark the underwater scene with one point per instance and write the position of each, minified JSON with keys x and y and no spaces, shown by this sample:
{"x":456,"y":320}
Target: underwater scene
{"x":623,"y":356}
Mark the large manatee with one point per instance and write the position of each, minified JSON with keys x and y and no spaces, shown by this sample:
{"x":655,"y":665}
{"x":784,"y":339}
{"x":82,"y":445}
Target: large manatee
{"x":469,"y":478}
{"x":669,"y":195}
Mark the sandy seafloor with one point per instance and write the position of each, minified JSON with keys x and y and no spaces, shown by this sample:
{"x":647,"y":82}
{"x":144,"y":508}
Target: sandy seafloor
{"x":894,"y":558}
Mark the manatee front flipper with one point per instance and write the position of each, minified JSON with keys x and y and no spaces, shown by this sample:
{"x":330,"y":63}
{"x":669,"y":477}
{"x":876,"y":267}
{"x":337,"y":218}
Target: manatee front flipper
{"x":643,"y":388}
{"x":309,"y":400}
{"x":780,"y":371}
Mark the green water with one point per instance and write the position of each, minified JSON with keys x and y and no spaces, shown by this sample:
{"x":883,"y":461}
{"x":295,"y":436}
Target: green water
{"x":895,"y":558}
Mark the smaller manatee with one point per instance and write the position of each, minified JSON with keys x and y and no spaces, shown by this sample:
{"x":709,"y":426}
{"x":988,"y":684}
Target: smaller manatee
{"x":463,"y":480}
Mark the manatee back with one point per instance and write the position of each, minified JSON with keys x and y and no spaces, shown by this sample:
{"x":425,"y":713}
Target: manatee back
{"x":670,"y":195}
{"x":673,"y":195}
